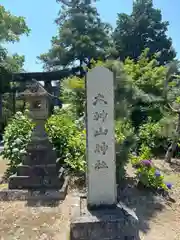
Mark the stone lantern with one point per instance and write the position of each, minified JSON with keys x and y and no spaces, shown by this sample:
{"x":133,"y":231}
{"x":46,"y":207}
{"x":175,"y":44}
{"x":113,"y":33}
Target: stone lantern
{"x":38,"y":168}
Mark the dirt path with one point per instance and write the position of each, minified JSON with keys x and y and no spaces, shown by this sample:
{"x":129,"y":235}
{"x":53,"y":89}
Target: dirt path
{"x":23,"y":222}
{"x":3,"y":166}
{"x":159,"y":220}
{"x":165,"y":226}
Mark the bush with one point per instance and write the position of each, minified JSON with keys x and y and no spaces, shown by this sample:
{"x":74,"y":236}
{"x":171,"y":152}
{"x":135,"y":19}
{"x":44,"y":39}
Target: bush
{"x":66,"y":137}
{"x":73,"y":92}
{"x":16,"y":137}
{"x":125,"y":139}
{"x":151,"y":135}
{"x":68,"y":140}
{"x":145,"y":153}
{"x":146,"y":173}
{"x":149,"y":177}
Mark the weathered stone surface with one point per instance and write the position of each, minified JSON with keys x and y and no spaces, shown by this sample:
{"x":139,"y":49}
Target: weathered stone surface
{"x":13,"y":195}
{"x":38,"y":169}
{"x":34,"y":182}
{"x":45,"y":170}
{"x":24,"y":195}
{"x":40,"y":154}
{"x":101,"y":177}
{"x":103,"y":224}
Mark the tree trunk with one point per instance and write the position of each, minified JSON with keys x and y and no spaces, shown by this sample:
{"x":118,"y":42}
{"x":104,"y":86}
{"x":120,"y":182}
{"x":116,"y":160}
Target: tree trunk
{"x":172,"y":147}
{"x":23,"y":106}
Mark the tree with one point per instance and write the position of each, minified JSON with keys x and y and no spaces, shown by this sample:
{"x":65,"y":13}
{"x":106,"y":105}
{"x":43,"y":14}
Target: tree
{"x":11,"y":28}
{"x":172,"y":98}
{"x":81,"y":36}
{"x":142,"y":29}
{"x":70,"y":3}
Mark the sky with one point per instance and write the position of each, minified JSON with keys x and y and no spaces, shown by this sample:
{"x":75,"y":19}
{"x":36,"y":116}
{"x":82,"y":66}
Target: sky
{"x":40,"y":16}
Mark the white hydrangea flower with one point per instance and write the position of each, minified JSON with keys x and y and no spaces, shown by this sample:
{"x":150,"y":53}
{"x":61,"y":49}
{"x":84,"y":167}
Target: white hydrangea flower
{"x":15,"y":150}
{"x":18,"y":141}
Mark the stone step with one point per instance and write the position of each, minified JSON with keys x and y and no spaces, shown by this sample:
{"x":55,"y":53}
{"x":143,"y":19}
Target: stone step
{"x":39,"y":157}
{"x":34,"y":182}
{"x":39,"y":146}
{"x":37,"y":170}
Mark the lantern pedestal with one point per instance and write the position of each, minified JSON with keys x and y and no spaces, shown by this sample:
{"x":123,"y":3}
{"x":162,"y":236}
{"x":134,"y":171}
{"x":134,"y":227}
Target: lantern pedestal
{"x":38,"y":169}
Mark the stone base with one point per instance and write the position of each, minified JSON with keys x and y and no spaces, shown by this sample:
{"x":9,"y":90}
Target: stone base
{"x":25,"y":195}
{"x":112,"y":223}
{"x":39,"y":181}
{"x":27,"y":170}
{"x":34,"y":182}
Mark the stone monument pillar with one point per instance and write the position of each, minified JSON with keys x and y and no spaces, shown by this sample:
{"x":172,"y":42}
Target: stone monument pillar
{"x":101,"y":174}
{"x":99,"y":216}
{"x":38,"y":169}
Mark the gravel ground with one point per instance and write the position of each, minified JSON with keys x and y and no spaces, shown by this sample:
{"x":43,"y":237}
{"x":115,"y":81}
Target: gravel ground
{"x":159,"y":219}
{"x":23,"y":221}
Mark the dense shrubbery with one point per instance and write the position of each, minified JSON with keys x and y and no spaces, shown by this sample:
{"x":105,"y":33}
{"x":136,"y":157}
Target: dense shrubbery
{"x":125,"y":140}
{"x":66,"y":137}
{"x":143,"y":124}
{"x":151,"y":135}
{"x":146,"y":172}
{"x":146,"y":89}
{"x":17,"y":135}
{"x":150,"y":177}
{"x":138,"y":89}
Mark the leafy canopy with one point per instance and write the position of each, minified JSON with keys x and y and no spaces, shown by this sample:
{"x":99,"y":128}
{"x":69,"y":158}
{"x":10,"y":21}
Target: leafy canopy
{"x":81,"y":36}
{"x":11,"y":28}
{"x":143,"y":28}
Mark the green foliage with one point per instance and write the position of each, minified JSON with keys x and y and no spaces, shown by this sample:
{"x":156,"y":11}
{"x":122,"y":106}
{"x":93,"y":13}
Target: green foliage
{"x":147,"y":79}
{"x":138,"y":87}
{"x":66,"y":137}
{"x":81,"y":35}
{"x":17,"y":135}
{"x":150,"y":177}
{"x":143,"y":28}
{"x":125,"y":140}
{"x":150,"y":134}
{"x":68,"y":140}
{"x":146,"y":172}
{"x":73,"y":92}
{"x":158,"y":135}
{"x":11,"y":28}
{"x":146,"y":74}
{"x":144,"y":153}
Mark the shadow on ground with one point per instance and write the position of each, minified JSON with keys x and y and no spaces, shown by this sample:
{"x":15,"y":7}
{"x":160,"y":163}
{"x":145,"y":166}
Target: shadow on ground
{"x":42,"y":203}
{"x":144,"y":203}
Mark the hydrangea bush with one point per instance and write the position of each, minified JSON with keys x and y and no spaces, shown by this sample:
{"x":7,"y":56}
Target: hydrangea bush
{"x":66,"y":137}
{"x":16,"y":137}
{"x":146,"y":172}
{"x":150,"y":177}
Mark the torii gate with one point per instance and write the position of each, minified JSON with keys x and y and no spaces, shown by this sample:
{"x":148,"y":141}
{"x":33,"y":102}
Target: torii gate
{"x":46,"y":77}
